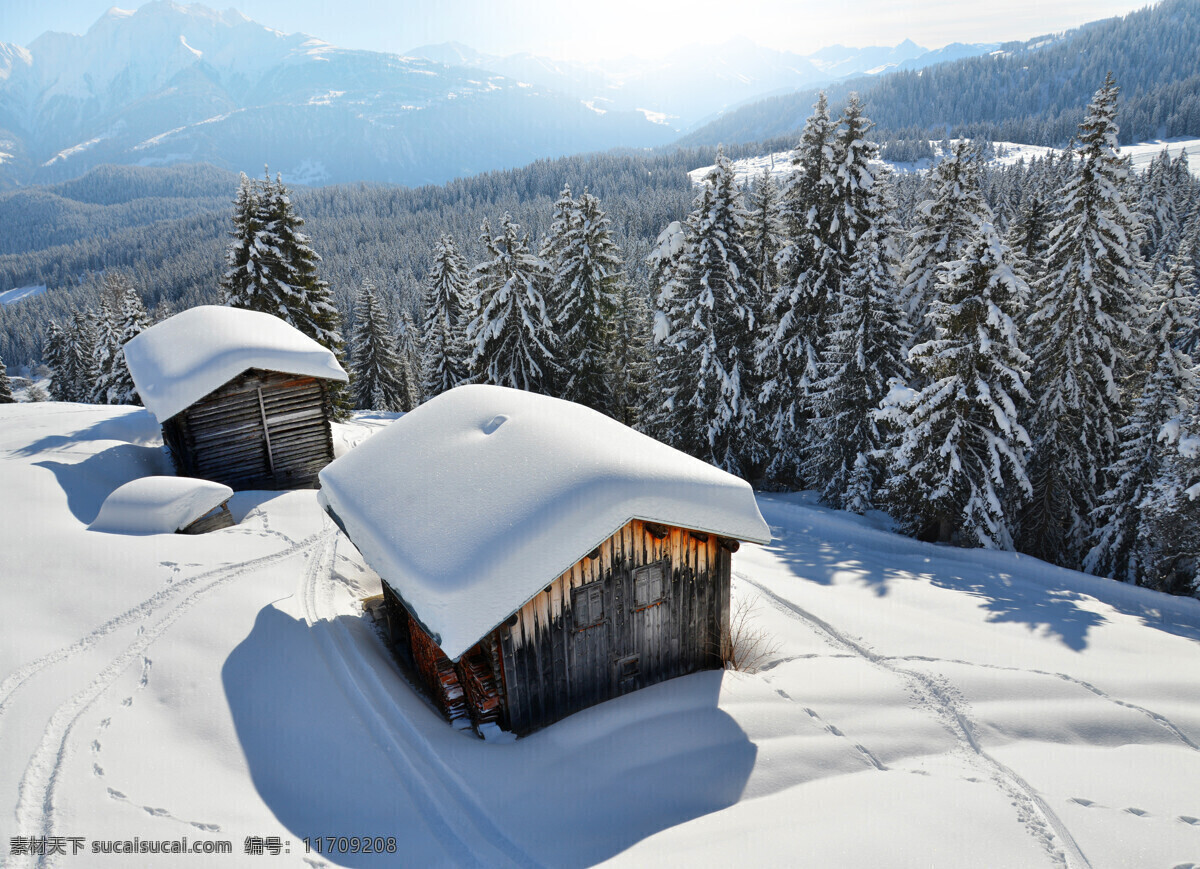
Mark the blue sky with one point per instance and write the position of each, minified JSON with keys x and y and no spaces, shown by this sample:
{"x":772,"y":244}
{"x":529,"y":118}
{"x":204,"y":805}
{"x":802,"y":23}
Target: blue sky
{"x":569,"y":29}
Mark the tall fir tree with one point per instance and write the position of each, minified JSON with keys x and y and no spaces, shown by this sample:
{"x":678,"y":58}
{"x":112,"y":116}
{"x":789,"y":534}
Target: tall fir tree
{"x":444,"y":359}
{"x":6,"y":393}
{"x":376,"y":380}
{"x":808,"y":270}
{"x":54,"y":353}
{"x":713,"y":322}
{"x":630,"y":363}
{"x":958,"y":474}
{"x":510,"y":335}
{"x":862,"y":353}
{"x":108,"y":342}
{"x":764,"y":231}
{"x":585,"y":290}
{"x":1125,"y":544}
{"x":116,"y":383}
{"x":408,"y":349}
{"x":1082,"y":328}
{"x":272,"y":268}
{"x":944,"y":225}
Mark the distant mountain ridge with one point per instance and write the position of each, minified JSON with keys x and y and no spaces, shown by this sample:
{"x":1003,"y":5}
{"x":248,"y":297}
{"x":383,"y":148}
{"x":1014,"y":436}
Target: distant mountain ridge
{"x":170,"y":83}
{"x":696,"y":83}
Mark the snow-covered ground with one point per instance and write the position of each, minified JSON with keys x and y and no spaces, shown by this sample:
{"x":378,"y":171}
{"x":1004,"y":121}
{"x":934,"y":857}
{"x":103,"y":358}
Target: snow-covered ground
{"x":779,"y":164}
{"x":924,"y":706}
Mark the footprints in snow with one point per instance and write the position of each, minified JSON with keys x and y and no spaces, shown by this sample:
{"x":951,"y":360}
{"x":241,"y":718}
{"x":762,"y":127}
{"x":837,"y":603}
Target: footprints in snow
{"x":120,"y":796}
{"x":1138,"y":813}
{"x":834,"y":730}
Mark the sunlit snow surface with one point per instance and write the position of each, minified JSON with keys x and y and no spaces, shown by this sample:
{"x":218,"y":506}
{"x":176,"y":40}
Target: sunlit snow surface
{"x":925,"y":706}
{"x":779,"y":164}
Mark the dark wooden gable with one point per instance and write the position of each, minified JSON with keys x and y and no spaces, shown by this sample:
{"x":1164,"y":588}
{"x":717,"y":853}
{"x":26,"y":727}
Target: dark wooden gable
{"x":649,"y":604}
{"x":261,"y":430}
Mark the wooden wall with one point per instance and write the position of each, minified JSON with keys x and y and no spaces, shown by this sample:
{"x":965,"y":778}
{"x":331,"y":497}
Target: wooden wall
{"x":587,"y":637}
{"x":261,"y":430}
{"x":558,"y":658}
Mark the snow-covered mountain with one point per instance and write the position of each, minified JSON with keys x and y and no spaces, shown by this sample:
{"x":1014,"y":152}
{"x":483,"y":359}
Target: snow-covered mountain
{"x":693,"y":84}
{"x":173,"y":83}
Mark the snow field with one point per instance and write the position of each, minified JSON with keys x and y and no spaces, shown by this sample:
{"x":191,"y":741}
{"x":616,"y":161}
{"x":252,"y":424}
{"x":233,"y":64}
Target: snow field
{"x":924,"y":706}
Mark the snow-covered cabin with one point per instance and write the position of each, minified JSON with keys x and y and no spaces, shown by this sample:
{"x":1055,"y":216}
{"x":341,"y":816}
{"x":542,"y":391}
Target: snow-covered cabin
{"x":539,"y":557}
{"x":242,"y":397}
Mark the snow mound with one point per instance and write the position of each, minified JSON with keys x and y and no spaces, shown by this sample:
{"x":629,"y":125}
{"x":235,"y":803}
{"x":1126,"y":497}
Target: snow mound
{"x":470,"y":504}
{"x":159,"y":505}
{"x":182,"y":359}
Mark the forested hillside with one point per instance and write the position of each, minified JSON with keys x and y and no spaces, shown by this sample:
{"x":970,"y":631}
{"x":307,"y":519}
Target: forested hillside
{"x":1031,"y":92}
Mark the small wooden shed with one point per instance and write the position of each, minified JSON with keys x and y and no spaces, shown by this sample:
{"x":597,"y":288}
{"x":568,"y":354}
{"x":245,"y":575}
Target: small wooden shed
{"x":242,"y":397}
{"x":539,"y":557}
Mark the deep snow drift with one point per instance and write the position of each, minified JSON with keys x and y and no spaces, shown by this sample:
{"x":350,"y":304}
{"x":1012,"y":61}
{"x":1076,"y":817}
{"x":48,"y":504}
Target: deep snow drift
{"x":925,"y":706}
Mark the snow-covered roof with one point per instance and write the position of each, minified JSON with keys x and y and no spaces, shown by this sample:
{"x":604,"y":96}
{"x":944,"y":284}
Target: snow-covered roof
{"x":182,"y":359}
{"x":158,"y":505}
{"x":470,"y":504}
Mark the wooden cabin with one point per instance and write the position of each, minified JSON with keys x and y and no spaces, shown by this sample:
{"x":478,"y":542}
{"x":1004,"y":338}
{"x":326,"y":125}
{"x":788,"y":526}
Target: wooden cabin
{"x":538,"y":557}
{"x":243,"y":398}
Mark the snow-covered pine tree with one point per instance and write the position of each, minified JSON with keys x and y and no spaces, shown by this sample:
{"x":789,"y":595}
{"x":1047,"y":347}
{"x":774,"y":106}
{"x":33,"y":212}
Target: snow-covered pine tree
{"x":134,"y":321}
{"x":630,"y":363}
{"x":944,"y":224}
{"x":408,"y":350}
{"x":444,"y":361}
{"x":1029,"y":238}
{"x":564,"y":216}
{"x":959,"y":471}
{"x":54,"y":353}
{"x":1164,"y":205}
{"x":272,"y":267}
{"x":108,"y":341}
{"x":1190,"y":341}
{"x":666,"y":362}
{"x":764,"y":231}
{"x":861,"y":358}
{"x":80,"y":351}
{"x":714,"y":318}
{"x":1125,"y":540}
{"x":808,"y":270}
{"x":6,"y":393}
{"x":1086,"y":307}
{"x":376,"y":380}
{"x":585,"y":291}
{"x":867,"y":335}
{"x":510,"y":335}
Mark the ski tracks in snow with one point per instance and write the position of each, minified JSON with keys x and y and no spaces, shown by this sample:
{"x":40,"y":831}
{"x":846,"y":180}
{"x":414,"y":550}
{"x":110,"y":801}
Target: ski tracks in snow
{"x":1033,"y":811}
{"x":454,"y":815}
{"x":36,"y":793}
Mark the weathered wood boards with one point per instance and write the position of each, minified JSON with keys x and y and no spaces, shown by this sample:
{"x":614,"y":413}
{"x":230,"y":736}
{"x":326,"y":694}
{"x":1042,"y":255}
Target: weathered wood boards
{"x":261,"y":430}
{"x":647,"y":605}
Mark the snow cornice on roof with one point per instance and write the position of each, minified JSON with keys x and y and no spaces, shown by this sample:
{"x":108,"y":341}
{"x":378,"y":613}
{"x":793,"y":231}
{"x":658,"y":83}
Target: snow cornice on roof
{"x":470,"y":504}
{"x":185,"y":357}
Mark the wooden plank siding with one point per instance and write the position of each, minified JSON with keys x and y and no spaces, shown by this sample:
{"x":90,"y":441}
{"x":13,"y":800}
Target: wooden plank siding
{"x":586,"y":637}
{"x":261,"y":430}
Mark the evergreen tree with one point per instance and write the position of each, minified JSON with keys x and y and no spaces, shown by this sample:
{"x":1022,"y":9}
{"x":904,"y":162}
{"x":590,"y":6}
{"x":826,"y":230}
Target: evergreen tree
{"x":1086,"y":305}
{"x":1172,"y":512}
{"x":861,"y":358}
{"x":713,"y":320}
{"x":764,"y":232}
{"x":510,"y":336}
{"x":960,"y":465}
{"x":6,"y":393}
{"x":116,"y":383}
{"x":408,"y":349}
{"x":585,"y":290}
{"x":108,"y":342}
{"x":808,"y":270}
{"x":945,"y":224}
{"x":1125,"y":543}
{"x":54,"y":354}
{"x":376,"y":380}
{"x":631,"y":362}
{"x":80,"y":356}
{"x":863,"y":350}
{"x":444,"y":362}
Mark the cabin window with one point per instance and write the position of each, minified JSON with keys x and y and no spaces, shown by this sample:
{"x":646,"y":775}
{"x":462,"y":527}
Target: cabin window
{"x":649,"y":584}
{"x":628,"y":670}
{"x":587,"y":605}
